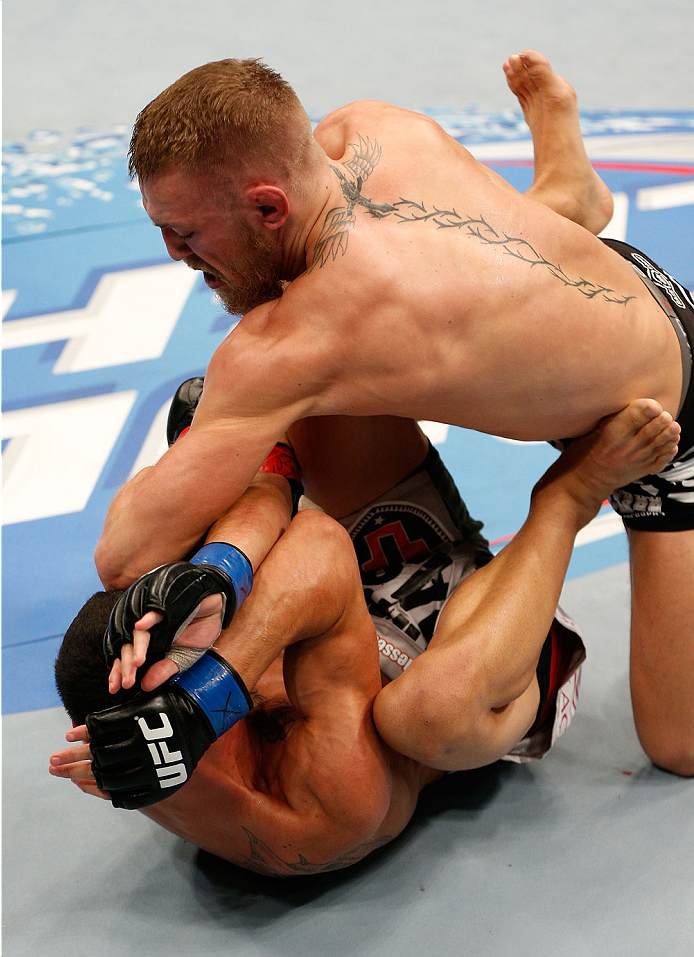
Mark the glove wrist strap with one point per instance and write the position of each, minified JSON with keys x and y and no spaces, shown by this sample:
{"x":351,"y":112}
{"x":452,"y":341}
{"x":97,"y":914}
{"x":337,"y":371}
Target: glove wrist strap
{"x":233,"y":562}
{"x":217,"y":689}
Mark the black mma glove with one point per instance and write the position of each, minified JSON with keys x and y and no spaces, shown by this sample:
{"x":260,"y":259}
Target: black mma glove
{"x":175,"y":591}
{"x":183,"y":406}
{"x":145,"y":750}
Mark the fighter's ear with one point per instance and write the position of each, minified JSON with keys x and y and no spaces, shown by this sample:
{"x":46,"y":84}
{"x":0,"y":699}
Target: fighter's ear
{"x":272,"y":204}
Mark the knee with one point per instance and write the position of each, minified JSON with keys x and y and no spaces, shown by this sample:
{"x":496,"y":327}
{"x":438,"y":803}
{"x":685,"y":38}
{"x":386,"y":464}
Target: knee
{"x":669,"y":749}
{"x":322,"y":535}
{"x":417,"y":718}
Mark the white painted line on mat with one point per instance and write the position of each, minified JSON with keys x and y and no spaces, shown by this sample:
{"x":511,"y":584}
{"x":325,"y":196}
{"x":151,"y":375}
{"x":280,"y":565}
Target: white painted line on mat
{"x":666,"y":197}
{"x":602,"y":526}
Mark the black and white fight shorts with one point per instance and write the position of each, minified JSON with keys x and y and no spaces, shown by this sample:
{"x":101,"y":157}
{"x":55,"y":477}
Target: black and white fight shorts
{"x":415,"y":545}
{"x":664,"y":502}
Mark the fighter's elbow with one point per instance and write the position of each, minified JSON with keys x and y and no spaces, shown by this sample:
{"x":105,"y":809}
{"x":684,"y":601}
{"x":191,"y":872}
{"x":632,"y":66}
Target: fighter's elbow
{"x":416,"y":721}
{"x":113,"y":574}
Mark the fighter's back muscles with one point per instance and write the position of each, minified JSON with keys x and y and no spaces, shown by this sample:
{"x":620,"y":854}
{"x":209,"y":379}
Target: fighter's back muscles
{"x":514,"y":272}
{"x":302,"y":785}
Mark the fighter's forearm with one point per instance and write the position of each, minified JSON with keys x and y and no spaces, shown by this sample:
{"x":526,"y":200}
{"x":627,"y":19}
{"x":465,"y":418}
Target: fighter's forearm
{"x":164,"y":511}
{"x":253,"y":524}
{"x":119,"y":535}
{"x":257,"y":519}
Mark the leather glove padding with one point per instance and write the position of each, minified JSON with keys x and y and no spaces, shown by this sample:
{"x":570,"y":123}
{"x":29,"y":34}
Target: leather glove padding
{"x":175,"y":591}
{"x":144,"y":751}
{"x":183,"y":406}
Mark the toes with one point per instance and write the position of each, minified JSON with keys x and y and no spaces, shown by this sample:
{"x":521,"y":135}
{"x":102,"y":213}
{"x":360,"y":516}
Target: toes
{"x":536,"y":64}
{"x":640,"y":412}
{"x":668,"y":434}
{"x":516,"y":75}
{"x":660,"y":429}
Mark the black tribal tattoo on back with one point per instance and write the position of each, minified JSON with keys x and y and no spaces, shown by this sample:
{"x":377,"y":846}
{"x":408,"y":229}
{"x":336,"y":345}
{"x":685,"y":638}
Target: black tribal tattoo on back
{"x":262,"y":859}
{"x":340,"y":221}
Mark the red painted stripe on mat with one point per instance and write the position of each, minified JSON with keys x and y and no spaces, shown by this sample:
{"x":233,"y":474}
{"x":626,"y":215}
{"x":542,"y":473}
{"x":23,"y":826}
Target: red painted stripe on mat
{"x":678,"y":170}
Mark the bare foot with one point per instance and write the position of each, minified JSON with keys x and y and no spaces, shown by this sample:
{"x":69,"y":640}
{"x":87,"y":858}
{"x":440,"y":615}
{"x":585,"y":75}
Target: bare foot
{"x":564,"y":179}
{"x":640,"y":440}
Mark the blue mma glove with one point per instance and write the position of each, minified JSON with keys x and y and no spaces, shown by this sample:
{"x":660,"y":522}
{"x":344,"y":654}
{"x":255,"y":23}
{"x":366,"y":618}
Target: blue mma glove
{"x":175,"y":591}
{"x":145,"y":750}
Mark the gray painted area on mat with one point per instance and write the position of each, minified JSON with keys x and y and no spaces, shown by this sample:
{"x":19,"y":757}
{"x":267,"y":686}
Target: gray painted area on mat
{"x":92,"y":63}
{"x":587,"y":853}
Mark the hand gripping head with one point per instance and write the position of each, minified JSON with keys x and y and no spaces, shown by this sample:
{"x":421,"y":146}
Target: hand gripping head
{"x":175,"y":591}
{"x":145,"y":750}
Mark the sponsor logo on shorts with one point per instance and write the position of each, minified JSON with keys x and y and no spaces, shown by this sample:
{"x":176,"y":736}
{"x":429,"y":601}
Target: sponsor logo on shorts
{"x":391,"y":535}
{"x":635,"y":505}
{"x":567,"y":702}
{"x":392,"y":653}
{"x":169,"y":765}
{"x":661,"y":279}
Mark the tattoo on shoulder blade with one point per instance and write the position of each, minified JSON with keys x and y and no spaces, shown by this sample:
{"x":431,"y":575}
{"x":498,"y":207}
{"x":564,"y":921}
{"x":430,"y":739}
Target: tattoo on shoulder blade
{"x":340,"y":221}
{"x":262,"y":859}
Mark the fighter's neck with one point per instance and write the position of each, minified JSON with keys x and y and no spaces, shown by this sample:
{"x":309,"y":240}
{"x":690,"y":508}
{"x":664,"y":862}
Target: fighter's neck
{"x":308,"y":219}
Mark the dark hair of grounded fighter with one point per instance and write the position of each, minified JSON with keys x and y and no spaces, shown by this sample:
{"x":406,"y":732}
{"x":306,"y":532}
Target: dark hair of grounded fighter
{"x":81,"y":672}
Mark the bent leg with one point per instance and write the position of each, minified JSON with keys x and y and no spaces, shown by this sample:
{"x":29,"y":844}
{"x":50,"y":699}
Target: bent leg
{"x":473,"y":694}
{"x":662,"y":646}
{"x":301,"y":785}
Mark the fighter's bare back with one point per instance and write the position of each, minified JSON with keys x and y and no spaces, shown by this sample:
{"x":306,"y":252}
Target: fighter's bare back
{"x":437,"y":291}
{"x":422,"y":286}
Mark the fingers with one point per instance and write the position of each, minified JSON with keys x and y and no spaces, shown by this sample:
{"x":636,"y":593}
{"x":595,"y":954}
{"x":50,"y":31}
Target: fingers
{"x":149,"y":620}
{"x":203,"y":629}
{"x":128,"y":668}
{"x":78,"y":733}
{"x":69,"y":757}
{"x":133,"y":655}
{"x":89,"y":787}
{"x":75,"y":763}
{"x":80,"y":773}
{"x":115,"y":678}
{"x":141,"y":637}
{"x":160,"y":672}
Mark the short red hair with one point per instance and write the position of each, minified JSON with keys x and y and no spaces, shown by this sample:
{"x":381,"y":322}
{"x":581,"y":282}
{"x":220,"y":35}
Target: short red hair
{"x":223,"y":113}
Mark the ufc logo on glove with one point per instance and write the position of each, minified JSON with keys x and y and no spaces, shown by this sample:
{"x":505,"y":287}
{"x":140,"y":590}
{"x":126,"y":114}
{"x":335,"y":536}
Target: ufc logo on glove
{"x":146,"y":749}
{"x":174,"y":770}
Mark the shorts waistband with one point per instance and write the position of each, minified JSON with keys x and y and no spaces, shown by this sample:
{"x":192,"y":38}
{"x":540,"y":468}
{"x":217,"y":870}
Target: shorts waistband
{"x":676,"y":303}
{"x":685,"y":346}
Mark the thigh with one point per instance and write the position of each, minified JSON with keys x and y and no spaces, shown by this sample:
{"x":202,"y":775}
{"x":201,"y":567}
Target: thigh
{"x":348,"y":461}
{"x":662,"y":645}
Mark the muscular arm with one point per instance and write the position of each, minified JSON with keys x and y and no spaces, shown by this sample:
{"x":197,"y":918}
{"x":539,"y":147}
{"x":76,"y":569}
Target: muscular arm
{"x":321,"y":792}
{"x":248,"y":403}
